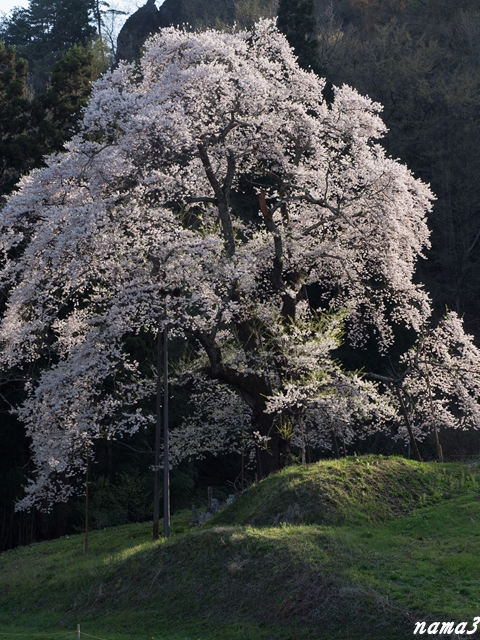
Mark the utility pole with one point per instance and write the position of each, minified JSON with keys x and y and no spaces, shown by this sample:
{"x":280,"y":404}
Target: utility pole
{"x":166,"y":471}
{"x":156,"y":481}
{"x":85,"y":540}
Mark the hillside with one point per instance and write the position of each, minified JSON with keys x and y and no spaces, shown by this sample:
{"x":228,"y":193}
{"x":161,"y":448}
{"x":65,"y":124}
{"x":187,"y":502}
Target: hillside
{"x":196,"y":14}
{"x":364,"y":489}
{"x":379,"y":564}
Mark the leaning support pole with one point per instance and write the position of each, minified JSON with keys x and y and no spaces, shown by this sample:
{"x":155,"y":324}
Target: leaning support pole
{"x":166,"y":473}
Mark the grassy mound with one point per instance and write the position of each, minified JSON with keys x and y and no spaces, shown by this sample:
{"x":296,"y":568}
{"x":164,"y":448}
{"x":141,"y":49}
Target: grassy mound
{"x":223,"y":582}
{"x":349,"y":491}
{"x":365,"y":578}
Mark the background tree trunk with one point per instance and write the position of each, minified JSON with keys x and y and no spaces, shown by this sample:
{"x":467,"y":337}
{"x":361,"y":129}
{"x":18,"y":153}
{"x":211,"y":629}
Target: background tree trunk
{"x":267,"y":455}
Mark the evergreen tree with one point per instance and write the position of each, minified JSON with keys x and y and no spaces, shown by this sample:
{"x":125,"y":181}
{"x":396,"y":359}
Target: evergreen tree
{"x":71,"y":80}
{"x":296,"y":19}
{"x":15,"y":144}
{"x":31,"y":129}
{"x":44,"y":31}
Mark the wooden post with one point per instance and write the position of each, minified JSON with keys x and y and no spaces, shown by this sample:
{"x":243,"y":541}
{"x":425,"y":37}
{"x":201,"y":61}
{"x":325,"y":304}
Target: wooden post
{"x":243,"y":465}
{"x":78,"y":632}
{"x":304,"y":459}
{"x":209,"y":497}
{"x":194,"y":515}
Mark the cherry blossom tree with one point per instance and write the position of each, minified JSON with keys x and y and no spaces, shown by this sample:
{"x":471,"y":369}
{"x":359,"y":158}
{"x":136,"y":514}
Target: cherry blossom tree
{"x":438,"y":385}
{"x":215,"y":180}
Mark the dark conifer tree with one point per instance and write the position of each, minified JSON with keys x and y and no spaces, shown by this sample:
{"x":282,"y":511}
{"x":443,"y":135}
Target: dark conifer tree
{"x":44,"y":31}
{"x":31,"y":129}
{"x":69,"y":91}
{"x":296,"y":19}
{"x":15,"y":144}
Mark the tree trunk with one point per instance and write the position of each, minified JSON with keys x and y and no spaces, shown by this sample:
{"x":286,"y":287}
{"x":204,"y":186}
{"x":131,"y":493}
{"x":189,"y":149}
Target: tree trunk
{"x":268,"y":453}
{"x":335,"y":443}
{"x":404,"y":411}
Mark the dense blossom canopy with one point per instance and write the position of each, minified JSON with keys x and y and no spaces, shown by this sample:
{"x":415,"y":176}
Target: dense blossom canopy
{"x":215,"y":170}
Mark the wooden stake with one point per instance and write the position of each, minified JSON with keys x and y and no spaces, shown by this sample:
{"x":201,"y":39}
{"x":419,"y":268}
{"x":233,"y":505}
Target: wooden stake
{"x":209,"y":497}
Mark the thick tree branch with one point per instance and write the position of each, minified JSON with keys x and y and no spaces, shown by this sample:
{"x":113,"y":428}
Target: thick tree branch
{"x":253,"y":387}
{"x":201,"y":199}
{"x":222,"y":196}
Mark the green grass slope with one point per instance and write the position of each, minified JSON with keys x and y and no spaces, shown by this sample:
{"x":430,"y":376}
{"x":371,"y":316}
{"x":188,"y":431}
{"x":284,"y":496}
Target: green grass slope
{"x":344,"y":571}
{"x":353,"y":490}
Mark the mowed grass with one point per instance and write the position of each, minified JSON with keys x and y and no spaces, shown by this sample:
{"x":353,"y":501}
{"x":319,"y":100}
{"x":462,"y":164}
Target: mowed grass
{"x":359,"y":549}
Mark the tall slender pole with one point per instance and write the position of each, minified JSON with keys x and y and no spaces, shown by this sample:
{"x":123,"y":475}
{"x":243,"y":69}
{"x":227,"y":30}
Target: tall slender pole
{"x":156,"y":481}
{"x":166,"y":474}
{"x":85,"y":540}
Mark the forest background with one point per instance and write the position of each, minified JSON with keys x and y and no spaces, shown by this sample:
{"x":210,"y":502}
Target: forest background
{"x":419,"y":59}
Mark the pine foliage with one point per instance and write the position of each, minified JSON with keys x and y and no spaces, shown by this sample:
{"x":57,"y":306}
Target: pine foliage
{"x":296,"y":19}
